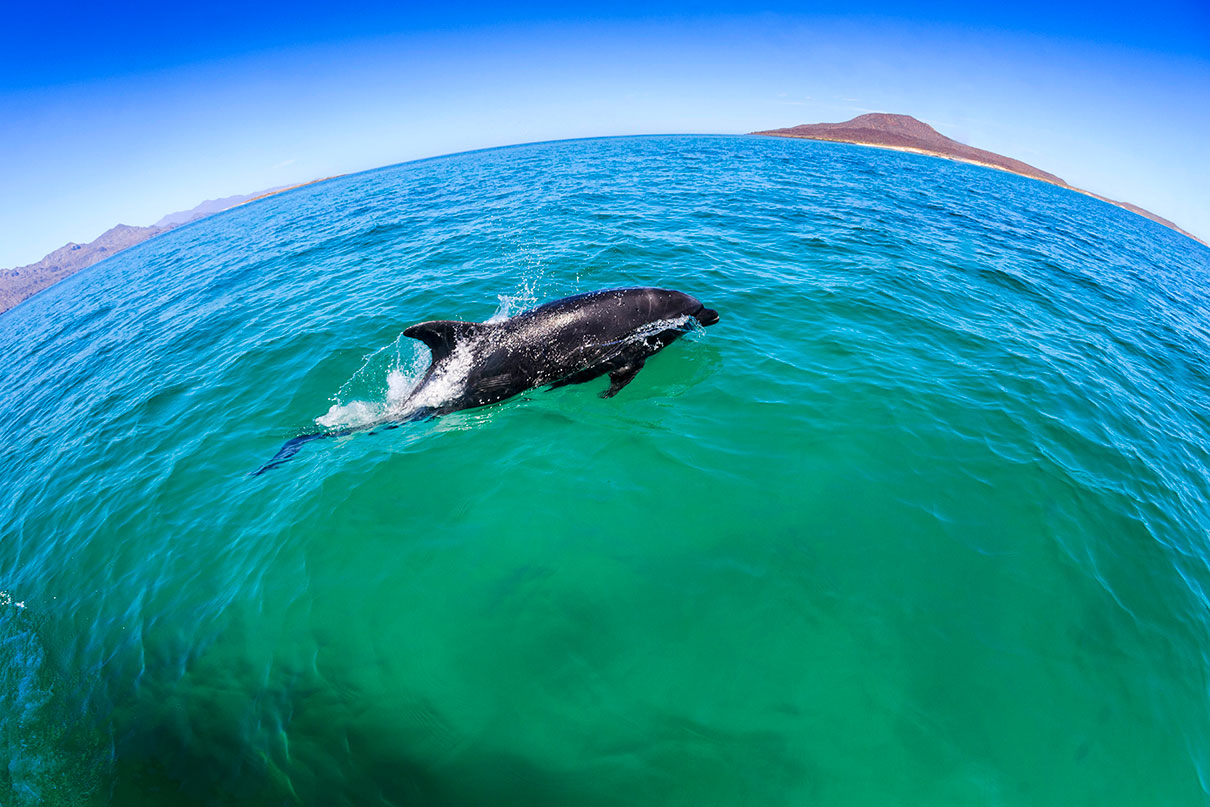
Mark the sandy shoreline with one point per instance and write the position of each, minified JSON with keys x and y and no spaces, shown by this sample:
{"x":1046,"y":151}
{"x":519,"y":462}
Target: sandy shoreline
{"x":910,"y":150}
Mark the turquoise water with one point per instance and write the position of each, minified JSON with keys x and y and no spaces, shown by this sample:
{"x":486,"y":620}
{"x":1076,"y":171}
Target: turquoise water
{"x":922,"y":520}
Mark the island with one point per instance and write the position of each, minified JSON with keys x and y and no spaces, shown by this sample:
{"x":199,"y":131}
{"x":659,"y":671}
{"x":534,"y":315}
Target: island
{"x":905,"y":133}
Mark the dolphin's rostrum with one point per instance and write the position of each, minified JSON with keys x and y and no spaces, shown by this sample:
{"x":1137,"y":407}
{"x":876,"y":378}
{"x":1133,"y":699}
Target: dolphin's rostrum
{"x":568,"y":341}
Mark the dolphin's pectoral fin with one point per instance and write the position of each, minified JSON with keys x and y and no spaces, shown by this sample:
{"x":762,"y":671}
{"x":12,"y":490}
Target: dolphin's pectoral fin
{"x":621,"y":377}
{"x":580,"y":377}
{"x":442,"y":335}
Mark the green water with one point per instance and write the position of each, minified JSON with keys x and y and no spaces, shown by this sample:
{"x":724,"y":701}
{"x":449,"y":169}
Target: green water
{"x":922,"y":520}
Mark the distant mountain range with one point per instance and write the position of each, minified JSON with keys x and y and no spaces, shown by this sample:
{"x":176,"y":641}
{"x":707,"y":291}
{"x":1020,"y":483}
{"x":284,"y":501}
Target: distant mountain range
{"x":210,"y":207}
{"x":905,"y":133}
{"x":25,"y":281}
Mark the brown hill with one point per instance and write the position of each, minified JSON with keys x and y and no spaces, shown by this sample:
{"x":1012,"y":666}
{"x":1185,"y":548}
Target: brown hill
{"x":25,"y":281}
{"x":905,"y":133}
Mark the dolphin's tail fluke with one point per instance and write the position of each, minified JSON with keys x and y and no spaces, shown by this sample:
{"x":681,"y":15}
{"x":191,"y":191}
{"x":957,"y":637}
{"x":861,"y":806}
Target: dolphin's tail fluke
{"x":295,"y":444}
{"x":292,"y":447}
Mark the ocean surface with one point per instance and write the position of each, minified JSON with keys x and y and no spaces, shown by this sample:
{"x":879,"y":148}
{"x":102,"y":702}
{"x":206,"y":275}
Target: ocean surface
{"x":924,"y":520}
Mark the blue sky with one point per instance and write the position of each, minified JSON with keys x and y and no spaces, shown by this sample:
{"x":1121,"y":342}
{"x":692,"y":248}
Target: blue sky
{"x":125,"y":114}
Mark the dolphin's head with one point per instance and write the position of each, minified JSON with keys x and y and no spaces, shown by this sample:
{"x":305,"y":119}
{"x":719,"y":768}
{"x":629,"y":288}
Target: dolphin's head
{"x":670,"y":304}
{"x":705,"y":316}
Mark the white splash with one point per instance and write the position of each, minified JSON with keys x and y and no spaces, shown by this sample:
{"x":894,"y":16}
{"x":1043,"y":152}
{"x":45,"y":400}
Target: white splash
{"x":680,"y":323}
{"x":525,"y":296}
{"x":352,"y":414}
{"x":447,"y":382}
{"x":512,"y":304}
{"x":401,"y":380}
{"x":403,"y":394}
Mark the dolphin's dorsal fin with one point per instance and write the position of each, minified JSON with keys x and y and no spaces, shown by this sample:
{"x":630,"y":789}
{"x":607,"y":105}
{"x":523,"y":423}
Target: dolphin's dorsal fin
{"x":441,"y":335}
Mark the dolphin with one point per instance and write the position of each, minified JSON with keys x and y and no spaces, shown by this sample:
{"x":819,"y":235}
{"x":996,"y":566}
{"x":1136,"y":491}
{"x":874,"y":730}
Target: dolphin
{"x":568,"y":341}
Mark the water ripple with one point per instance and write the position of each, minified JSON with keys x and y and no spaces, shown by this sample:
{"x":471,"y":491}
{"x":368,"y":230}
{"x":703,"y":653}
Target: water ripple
{"x":924,"y":518}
